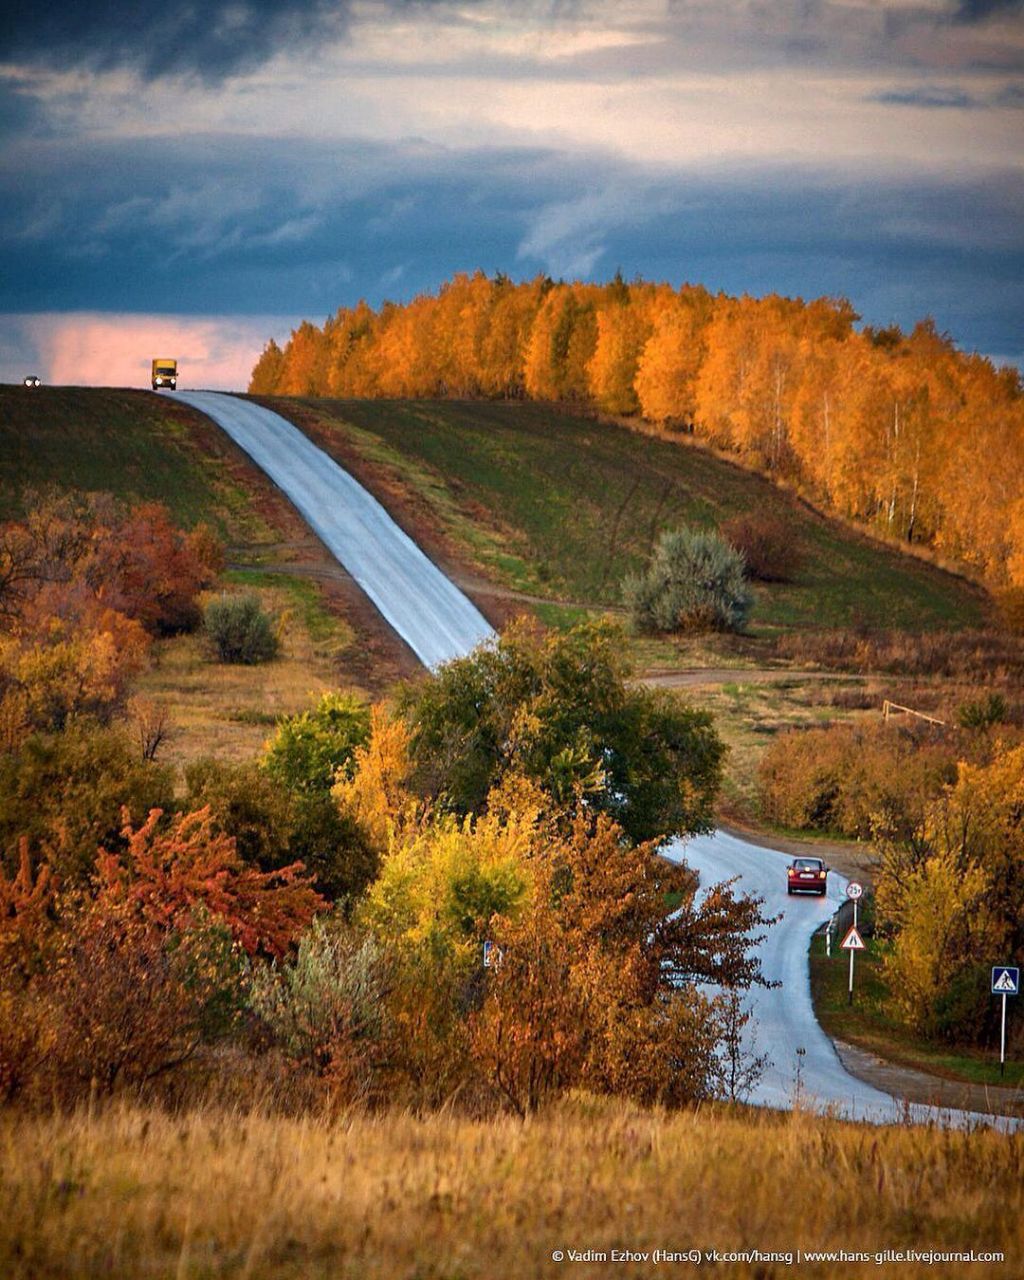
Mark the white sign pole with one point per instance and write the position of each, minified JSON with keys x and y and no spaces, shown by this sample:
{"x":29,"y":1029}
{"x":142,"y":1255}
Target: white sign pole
{"x":853,"y":892}
{"x":1002,"y":1041}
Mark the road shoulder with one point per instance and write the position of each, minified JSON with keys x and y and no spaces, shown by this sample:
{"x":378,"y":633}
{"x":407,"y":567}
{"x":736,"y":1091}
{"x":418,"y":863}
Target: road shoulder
{"x":918,"y":1086}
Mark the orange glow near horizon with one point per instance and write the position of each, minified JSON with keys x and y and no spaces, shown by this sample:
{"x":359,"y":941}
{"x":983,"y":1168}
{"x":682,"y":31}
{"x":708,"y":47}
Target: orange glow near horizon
{"x":114,"y":350}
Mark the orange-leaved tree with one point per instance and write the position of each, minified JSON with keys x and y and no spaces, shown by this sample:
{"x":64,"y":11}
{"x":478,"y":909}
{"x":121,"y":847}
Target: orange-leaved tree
{"x":170,"y":876}
{"x":596,"y":980}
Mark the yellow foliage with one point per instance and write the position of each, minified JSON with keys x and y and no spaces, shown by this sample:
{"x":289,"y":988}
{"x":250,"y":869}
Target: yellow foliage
{"x":668,"y":367}
{"x":442,"y":885}
{"x":958,"y":906}
{"x":932,"y":910}
{"x":83,"y":667}
{"x":377,"y":795}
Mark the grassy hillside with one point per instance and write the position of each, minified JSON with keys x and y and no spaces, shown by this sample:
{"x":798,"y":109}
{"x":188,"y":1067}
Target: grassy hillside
{"x":563,"y":507}
{"x":131,"y":1193}
{"x":131,"y":443}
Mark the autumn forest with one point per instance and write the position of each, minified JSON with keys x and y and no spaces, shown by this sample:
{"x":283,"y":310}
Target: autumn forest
{"x":923,"y":442}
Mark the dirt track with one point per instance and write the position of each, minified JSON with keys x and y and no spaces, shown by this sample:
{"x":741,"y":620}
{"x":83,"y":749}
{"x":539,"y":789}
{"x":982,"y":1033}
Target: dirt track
{"x":698,"y":677}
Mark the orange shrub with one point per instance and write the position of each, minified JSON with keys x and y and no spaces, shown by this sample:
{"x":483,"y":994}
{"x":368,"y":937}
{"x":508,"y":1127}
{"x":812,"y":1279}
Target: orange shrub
{"x":859,"y":780}
{"x":25,"y":903}
{"x":597,"y":983}
{"x":66,"y":664}
{"x":170,"y":877}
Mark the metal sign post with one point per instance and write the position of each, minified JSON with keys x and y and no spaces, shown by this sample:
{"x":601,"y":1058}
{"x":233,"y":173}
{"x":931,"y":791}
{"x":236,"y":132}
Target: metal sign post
{"x":852,"y":942}
{"x":854,"y":892}
{"x":1002,"y":1040}
{"x":1005,"y":982}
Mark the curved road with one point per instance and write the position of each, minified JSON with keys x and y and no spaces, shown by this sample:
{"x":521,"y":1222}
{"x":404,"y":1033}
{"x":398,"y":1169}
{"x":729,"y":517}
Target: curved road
{"x":439,"y":622}
{"x":429,"y":612}
{"x":784,"y":1020}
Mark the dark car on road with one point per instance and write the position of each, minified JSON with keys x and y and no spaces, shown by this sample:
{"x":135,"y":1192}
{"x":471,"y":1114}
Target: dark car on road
{"x":806,"y":875}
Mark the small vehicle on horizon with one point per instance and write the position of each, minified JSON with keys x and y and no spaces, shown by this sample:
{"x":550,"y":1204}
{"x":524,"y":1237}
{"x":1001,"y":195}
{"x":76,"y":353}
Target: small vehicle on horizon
{"x":32,"y":380}
{"x":807,"y":875}
{"x":165,"y":374}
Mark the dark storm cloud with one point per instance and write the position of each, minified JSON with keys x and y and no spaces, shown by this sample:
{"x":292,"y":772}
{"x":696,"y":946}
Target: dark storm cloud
{"x":300,"y":227}
{"x":929,"y":96}
{"x":210,"y":38}
{"x":980,"y":10}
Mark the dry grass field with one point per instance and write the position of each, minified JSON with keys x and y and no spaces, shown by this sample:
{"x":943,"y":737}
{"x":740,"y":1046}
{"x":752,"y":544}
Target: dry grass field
{"x":229,"y":711}
{"x":134,"y":1193}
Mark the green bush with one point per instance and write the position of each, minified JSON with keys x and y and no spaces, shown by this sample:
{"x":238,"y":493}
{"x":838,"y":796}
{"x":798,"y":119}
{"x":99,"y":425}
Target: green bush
{"x":332,"y":846}
{"x":328,"y":1008}
{"x":67,"y":791}
{"x":695,"y":582}
{"x":246,"y":804}
{"x":983,"y":713}
{"x":240,"y":630}
{"x":307,"y":751}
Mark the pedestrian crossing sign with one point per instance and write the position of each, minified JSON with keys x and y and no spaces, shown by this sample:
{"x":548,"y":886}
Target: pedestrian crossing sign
{"x":1005,"y":980}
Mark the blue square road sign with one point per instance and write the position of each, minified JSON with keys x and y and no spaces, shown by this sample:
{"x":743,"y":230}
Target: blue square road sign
{"x":1005,"y":980}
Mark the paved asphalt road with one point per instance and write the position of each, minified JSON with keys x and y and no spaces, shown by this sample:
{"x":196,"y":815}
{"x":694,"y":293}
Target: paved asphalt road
{"x":428,"y":611}
{"x":439,"y":623}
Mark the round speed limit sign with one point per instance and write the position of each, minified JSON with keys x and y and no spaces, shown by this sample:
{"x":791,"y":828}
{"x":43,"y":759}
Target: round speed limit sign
{"x":854,"y":890}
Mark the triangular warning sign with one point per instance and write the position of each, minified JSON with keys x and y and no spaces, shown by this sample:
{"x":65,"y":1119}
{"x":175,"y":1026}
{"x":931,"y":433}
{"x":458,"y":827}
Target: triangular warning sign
{"x":1005,"y":982}
{"x":853,"y":941}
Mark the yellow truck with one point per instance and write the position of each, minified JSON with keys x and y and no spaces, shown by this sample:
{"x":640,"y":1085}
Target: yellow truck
{"x":165,"y":374}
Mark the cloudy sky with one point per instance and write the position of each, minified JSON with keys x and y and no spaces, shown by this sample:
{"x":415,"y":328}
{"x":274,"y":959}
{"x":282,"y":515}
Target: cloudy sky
{"x":190,"y":178}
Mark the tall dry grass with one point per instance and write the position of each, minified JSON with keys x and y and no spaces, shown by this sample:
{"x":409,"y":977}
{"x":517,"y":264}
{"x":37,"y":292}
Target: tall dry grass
{"x":132,"y":1193}
{"x":979,"y":657}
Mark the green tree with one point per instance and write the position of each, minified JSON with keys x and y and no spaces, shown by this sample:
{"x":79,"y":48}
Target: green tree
{"x":273,"y":826}
{"x":558,"y":709}
{"x":308,"y":750}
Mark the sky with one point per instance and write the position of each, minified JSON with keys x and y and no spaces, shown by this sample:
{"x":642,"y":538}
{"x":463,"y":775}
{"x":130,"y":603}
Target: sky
{"x":190,"y":180}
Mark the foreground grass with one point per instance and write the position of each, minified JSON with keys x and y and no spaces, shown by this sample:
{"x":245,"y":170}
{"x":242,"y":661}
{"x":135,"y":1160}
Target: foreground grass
{"x":564,"y":506}
{"x":869,"y":1023}
{"x":134,"y":1193}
